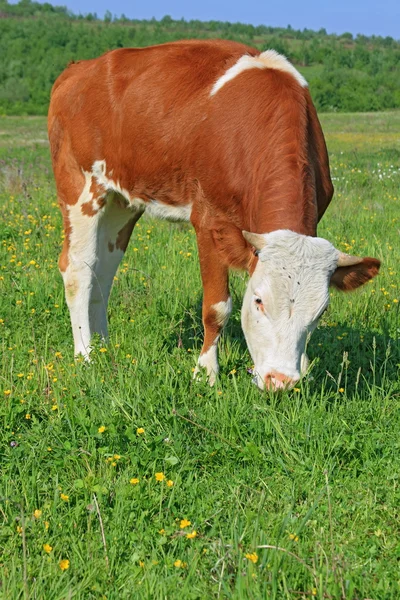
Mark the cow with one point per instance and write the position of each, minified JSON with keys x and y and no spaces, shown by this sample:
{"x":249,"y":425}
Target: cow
{"x":224,"y":136}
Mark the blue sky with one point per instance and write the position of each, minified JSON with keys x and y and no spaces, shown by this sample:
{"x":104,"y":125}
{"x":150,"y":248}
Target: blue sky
{"x":379,"y":17}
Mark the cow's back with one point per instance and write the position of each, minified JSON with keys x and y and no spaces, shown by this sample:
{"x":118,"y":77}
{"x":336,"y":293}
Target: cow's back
{"x":252,"y":152}
{"x":133,"y":98}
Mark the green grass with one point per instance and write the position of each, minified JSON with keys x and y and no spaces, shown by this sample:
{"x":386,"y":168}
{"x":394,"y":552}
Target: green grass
{"x":314,"y":472}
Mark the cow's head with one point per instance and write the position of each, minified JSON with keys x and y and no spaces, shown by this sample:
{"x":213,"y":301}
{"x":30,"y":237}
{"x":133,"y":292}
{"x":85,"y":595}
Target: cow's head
{"x":286,"y":296}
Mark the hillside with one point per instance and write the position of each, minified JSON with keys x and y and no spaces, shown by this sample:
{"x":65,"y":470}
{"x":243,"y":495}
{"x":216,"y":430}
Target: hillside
{"x":37,"y":41}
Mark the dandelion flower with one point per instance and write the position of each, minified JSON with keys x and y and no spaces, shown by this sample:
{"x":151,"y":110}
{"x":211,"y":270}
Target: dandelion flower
{"x":170,"y":483}
{"x":139,"y":430}
{"x":47,"y":548}
{"x":103,"y":350}
{"x":37,"y":513}
{"x":134,"y":480}
{"x":64,"y":497}
{"x":101,"y":429}
{"x":294,"y":537}
{"x":192,"y":535}
{"x":160,"y":476}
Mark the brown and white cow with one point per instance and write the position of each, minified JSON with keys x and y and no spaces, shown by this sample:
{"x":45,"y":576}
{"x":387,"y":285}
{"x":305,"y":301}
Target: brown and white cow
{"x":213,"y":132}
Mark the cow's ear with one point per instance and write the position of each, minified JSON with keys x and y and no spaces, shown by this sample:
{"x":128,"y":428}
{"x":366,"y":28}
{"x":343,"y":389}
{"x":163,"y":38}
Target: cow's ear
{"x":348,"y":277}
{"x":255,"y":239}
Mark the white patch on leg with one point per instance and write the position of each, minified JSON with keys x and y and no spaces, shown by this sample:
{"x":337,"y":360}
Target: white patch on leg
{"x":223,"y":310}
{"x":78,"y":275}
{"x":91,"y":265}
{"x":270,"y":59}
{"x":208,"y":361}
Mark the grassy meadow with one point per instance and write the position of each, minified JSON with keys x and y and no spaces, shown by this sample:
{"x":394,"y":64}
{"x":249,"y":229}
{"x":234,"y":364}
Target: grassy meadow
{"x":124,"y":479}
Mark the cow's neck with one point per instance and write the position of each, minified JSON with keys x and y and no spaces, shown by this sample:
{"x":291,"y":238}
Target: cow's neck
{"x":289,"y":203}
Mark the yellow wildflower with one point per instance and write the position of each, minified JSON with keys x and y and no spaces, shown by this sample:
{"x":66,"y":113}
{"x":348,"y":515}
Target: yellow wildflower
{"x":7,"y":392}
{"x":37,"y":513}
{"x":294,"y":537}
{"x":64,"y":497}
{"x":103,"y":350}
{"x":170,"y":483}
{"x":47,"y":548}
{"x":180,"y":564}
{"x":184,"y":523}
{"x":192,"y":535}
{"x":159,"y":476}
{"x":139,"y":430}
{"x":253,"y":557}
{"x":101,"y":429}
{"x":64,"y":564}
{"x":134,"y":480}
{"x":27,"y":416}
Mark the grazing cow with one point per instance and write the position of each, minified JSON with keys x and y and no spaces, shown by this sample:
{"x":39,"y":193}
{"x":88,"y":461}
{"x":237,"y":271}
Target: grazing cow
{"x":213,"y":132}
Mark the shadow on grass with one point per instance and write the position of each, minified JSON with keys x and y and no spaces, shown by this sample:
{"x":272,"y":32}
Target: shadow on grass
{"x":354,"y":358}
{"x":342,"y":355}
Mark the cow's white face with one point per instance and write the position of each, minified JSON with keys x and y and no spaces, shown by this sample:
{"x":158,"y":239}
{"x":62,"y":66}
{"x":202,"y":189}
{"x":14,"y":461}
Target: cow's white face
{"x":284,"y":300}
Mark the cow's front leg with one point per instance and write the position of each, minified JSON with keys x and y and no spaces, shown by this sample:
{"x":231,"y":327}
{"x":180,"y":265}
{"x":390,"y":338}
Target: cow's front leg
{"x":217,"y":304}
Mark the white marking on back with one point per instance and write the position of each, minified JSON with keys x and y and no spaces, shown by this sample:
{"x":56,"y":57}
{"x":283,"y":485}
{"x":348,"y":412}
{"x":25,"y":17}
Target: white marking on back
{"x":270,"y":59}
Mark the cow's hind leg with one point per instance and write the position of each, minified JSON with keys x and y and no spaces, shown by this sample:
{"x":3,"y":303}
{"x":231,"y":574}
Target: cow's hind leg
{"x":217,"y":304}
{"x":97,"y":232}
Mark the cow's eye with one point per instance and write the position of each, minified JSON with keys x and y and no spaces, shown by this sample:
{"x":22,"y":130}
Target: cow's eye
{"x":258,"y":301}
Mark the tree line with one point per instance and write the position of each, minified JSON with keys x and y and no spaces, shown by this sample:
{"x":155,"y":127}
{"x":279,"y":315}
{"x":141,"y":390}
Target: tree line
{"x":37,"y":41}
